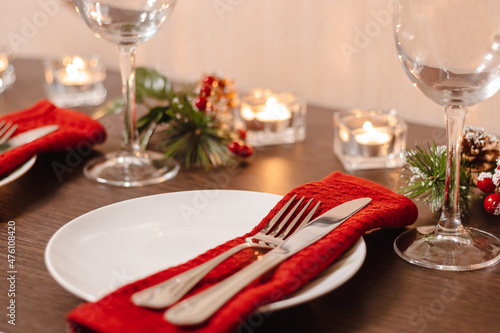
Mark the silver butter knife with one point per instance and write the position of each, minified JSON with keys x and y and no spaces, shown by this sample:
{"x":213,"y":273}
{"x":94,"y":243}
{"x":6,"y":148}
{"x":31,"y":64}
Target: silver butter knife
{"x":27,"y":137}
{"x":202,"y":306}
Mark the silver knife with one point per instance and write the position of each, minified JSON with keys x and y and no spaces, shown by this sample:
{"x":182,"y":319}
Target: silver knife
{"x":202,"y":306}
{"x":27,"y":137}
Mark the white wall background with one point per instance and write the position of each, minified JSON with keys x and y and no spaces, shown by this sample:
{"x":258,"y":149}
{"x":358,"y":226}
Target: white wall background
{"x":335,"y":53}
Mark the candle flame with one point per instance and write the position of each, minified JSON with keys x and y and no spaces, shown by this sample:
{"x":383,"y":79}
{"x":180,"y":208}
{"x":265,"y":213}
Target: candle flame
{"x":72,"y":70}
{"x":79,"y":63}
{"x":367,"y":126}
{"x":4,"y":62}
{"x":271,"y":102}
{"x":274,"y":111}
{"x":76,"y":71}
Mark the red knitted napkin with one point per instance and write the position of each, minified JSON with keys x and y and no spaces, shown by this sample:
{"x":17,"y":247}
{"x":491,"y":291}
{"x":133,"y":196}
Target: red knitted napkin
{"x":116,"y":313}
{"x":76,"y":131}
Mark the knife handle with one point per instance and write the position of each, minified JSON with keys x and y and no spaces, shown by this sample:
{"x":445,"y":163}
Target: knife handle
{"x":170,"y":291}
{"x":202,"y":306}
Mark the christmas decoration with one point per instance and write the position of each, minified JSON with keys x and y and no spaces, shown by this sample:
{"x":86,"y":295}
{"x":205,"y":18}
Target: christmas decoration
{"x":485,"y":182}
{"x":480,"y":166}
{"x":239,"y":149}
{"x":489,"y":183}
{"x":424,"y":172}
{"x":192,"y":122}
{"x":492,"y":203}
{"x":480,"y":149}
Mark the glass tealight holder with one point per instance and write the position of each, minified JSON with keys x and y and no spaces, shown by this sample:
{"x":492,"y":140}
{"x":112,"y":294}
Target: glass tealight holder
{"x":369,"y":139}
{"x":271,"y":118}
{"x":7,"y":73}
{"x":74,"y":81}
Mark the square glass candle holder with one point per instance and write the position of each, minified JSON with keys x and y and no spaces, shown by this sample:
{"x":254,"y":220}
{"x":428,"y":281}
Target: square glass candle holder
{"x":270,"y":117}
{"x":75,"y":81}
{"x":369,"y":139}
{"x":7,"y":73}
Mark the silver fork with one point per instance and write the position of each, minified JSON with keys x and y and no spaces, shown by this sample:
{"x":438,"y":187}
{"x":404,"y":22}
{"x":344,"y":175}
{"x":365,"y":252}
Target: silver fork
{"x":273,"y":234}
{"x":6,"y":130}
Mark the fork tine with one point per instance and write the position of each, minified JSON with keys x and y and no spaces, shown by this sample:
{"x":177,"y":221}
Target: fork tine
{"x":271,"y":224}
{"x":2,"y":128}
{"x":287,"y":218}
{"x":305,"y":220}
{"x":10,"y":130}
{"x":285,"y":230}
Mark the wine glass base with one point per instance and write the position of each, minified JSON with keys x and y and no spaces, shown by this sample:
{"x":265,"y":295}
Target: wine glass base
{"x":474,"y":249}
{"x":126,"y":169}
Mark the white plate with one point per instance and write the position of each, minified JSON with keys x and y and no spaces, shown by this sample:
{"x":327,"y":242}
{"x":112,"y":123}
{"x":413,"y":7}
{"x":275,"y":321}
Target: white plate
{"x":18,"y":172}
{"x":107,"y":248}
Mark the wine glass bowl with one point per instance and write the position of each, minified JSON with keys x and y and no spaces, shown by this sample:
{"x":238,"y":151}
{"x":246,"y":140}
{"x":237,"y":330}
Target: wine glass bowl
{"x":126,"y":24}
{"x":450,"y":50}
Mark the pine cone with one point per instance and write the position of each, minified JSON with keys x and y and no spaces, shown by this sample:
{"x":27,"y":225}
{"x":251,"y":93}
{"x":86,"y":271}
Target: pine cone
{"x":480,"y":149}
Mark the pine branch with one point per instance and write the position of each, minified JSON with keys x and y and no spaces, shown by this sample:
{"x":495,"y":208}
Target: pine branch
{"x":424,"y":173}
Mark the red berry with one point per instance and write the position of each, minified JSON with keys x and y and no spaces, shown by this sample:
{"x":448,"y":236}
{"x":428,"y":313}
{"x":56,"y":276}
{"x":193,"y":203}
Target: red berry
{"x":234,"y":147}
{"x":485,"y":184}
{"x":491,"y":203}
{"x":245,"y":151}
{"x":205,"y":90}
{"x":242,"y":134}
{"x":209,"y":80}
{"x":200,"y":102}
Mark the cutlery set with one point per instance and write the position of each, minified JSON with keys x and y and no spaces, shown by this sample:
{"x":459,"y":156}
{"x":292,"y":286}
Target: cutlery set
{"x":272,"y":235}
{"x":7,"y":143}
{"x":283,"y":238}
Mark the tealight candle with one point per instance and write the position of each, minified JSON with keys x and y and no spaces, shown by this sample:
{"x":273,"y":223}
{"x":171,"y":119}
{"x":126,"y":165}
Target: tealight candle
{"x":271,"y":117}
{"x":7,"y":73}
{"x":4,"y":62}
{"x":75,"y":81}
{"x":369,"y":139}
{"x":372,"y":141}
{"x":76,"y":72}
{"x":372,"y":136}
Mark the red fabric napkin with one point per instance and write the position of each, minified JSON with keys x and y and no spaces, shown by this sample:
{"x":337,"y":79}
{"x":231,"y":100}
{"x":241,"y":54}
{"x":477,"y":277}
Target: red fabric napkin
{"x":116,"y":313}
{"x":76,"y":131}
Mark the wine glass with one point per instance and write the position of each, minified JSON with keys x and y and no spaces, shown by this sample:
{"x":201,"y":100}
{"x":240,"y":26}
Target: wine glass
{"x":128,"y":23}
{"x":450,"y":51}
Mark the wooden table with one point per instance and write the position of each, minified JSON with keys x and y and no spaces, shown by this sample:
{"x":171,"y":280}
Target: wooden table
{"x":386,"y":295}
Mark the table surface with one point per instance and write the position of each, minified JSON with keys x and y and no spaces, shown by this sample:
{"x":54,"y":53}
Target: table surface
{"x":386,"y":295}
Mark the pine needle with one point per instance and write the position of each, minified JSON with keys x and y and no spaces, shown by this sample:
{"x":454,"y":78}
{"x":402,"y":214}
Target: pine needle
{"x":424,"y":173}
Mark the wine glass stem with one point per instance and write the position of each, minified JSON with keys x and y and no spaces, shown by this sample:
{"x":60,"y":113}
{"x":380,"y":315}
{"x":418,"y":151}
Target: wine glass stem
{"x":127,"y":70}
{"x":450,"y":221}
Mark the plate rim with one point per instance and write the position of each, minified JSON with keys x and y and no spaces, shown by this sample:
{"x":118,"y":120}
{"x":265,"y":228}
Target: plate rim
{"x":18,"y":172}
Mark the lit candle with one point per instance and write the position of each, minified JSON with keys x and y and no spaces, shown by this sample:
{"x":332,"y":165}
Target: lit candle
{"x":372,"y":136}
{"x":75,"y":73}
{"x":4,"y":62}
{"x":368,"y":139}
{"x":271,"y":117}
{"x":271,"y":112}
{"x":75,"y":80}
